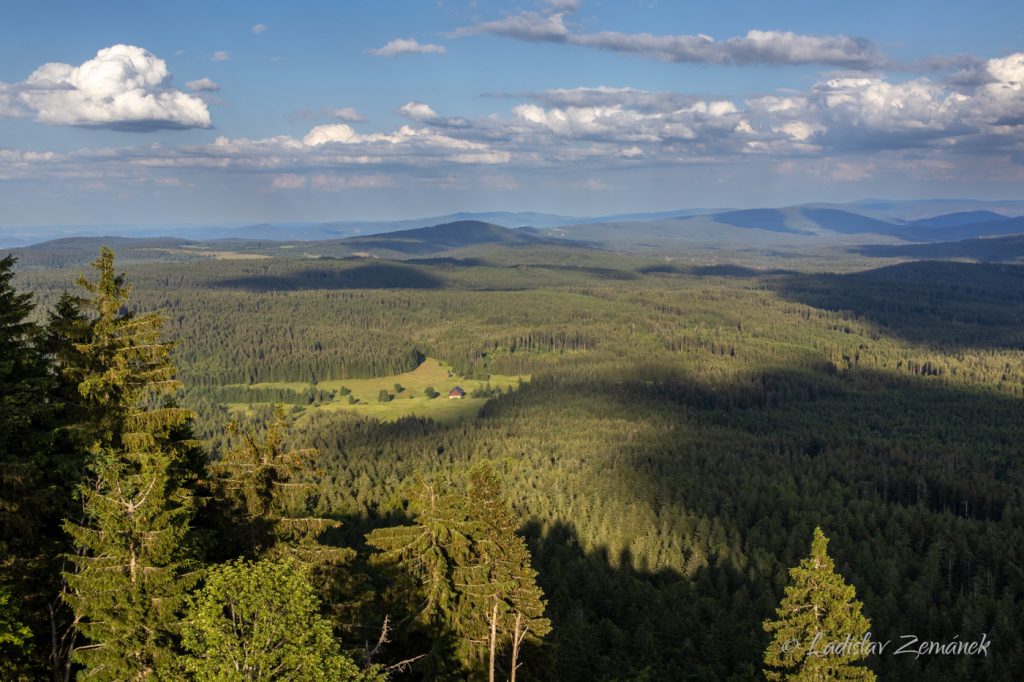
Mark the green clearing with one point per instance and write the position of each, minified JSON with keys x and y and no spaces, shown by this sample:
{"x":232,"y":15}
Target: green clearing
{"x":411,"y":401}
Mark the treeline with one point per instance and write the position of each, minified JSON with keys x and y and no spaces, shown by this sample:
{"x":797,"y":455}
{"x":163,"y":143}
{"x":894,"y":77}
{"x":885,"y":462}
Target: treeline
{"x":127,"y":553}
{"x":233,"y":326}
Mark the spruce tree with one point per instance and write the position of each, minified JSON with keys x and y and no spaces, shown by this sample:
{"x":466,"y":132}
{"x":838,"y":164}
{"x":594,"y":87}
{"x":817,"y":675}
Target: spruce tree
{"x":818,"y":610}
{"x":270,"y":507}
{"x":474,"y":571}
{"x":134,"y":560}
{"x":36,"y":478}
{"x":427,"y":555}
{"x":500,"y":585}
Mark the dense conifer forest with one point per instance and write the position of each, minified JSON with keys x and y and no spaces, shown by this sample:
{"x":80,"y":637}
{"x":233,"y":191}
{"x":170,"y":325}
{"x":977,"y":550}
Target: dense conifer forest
{"x":631,"y":512}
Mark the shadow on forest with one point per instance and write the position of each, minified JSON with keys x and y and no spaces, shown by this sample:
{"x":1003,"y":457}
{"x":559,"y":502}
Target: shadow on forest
{"x":371,"y":276}
{"x":985,"y":249}
{"x":944,"y":304}
{"x":730,"y":479}
{"x":594,"y":271}
{"x":448,"y":260}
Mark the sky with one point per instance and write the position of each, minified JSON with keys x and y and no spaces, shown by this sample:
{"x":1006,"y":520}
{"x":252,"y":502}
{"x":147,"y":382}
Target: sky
{"x":120,"y":113}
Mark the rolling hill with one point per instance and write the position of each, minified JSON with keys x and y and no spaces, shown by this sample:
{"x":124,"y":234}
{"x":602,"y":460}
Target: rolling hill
{"x":439,"y":238}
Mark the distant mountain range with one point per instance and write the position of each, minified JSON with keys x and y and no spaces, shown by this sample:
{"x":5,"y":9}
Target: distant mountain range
{"x":794,"y":228}
{"x":871,"y":215}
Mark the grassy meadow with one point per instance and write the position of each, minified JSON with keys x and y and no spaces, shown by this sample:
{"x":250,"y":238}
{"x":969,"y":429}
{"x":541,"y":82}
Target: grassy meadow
{"x":411,"y":401}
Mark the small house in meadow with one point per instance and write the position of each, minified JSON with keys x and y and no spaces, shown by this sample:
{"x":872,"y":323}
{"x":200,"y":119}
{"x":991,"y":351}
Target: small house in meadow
{"x":456,"y":393}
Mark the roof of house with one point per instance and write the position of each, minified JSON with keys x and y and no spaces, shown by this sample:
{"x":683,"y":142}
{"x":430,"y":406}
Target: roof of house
{"x":457,"y":389}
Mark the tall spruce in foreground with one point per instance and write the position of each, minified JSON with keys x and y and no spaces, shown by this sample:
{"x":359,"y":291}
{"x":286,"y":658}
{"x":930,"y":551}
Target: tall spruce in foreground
{"x":427,"y":555}
{"x":500,"y":586}
{"x":819,"y":608}
{"x":134,"y":560}
{"x":472,"y":567}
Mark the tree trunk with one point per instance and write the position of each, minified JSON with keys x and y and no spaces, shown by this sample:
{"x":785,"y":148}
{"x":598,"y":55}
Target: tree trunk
{"x":517,"y":638}
{"x":494,"y":637}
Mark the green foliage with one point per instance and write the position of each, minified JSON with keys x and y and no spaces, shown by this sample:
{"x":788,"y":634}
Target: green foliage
{"x":134,"y":558}
{"x":15,"y":637}
{"x":384,"y":397}
{"x":431,"y":392}
{"x":398,"y":388}
{"x":40,"y":465}
{"x":817,"y":620}
{"x":470,"y":567}
{"x":268,"y":507}
{"x":260,"y":621}
{"x":500,"y":586}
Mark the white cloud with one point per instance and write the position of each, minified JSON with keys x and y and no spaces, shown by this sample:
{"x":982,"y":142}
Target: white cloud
{"x":336,"y":132}
{"x":424,"y":113}
{"x":406,"y":46}
{"x":347,"y":114}
{"x":842,"y":120}
{"x":220,"y":56}
{"x":124,"y":87}
{"x":259,"y":28}
{"x":203,"y":85}
{"x":418,"y":111}
{"x":529,"y":26}
{"x":756,"y":47}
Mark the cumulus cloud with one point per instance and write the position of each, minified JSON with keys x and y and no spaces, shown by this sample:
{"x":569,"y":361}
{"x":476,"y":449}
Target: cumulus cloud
{"x":220,"y":56}
{"x":840,"y":120}
{"x":418,"y":111}
{"x":846,"y":113}
{"x":407,"y":140}
{"x":203,"y":85}
{"x":406,"y":46}
{"x":423,"y":113}
{"x":259,"y":28}
{"x":756,"y":47}
{"x":123,"y":88}
{"x":619,"y":124}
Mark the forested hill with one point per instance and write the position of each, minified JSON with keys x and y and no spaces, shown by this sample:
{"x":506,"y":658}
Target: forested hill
{"x":439,"y":238}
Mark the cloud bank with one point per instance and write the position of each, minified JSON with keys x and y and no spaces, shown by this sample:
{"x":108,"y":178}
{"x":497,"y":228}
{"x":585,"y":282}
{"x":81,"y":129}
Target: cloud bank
{"x":756,"y":47}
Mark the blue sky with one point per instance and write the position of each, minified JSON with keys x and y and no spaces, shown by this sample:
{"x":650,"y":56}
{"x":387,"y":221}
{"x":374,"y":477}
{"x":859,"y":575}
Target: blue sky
{"x":189,"y":112}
